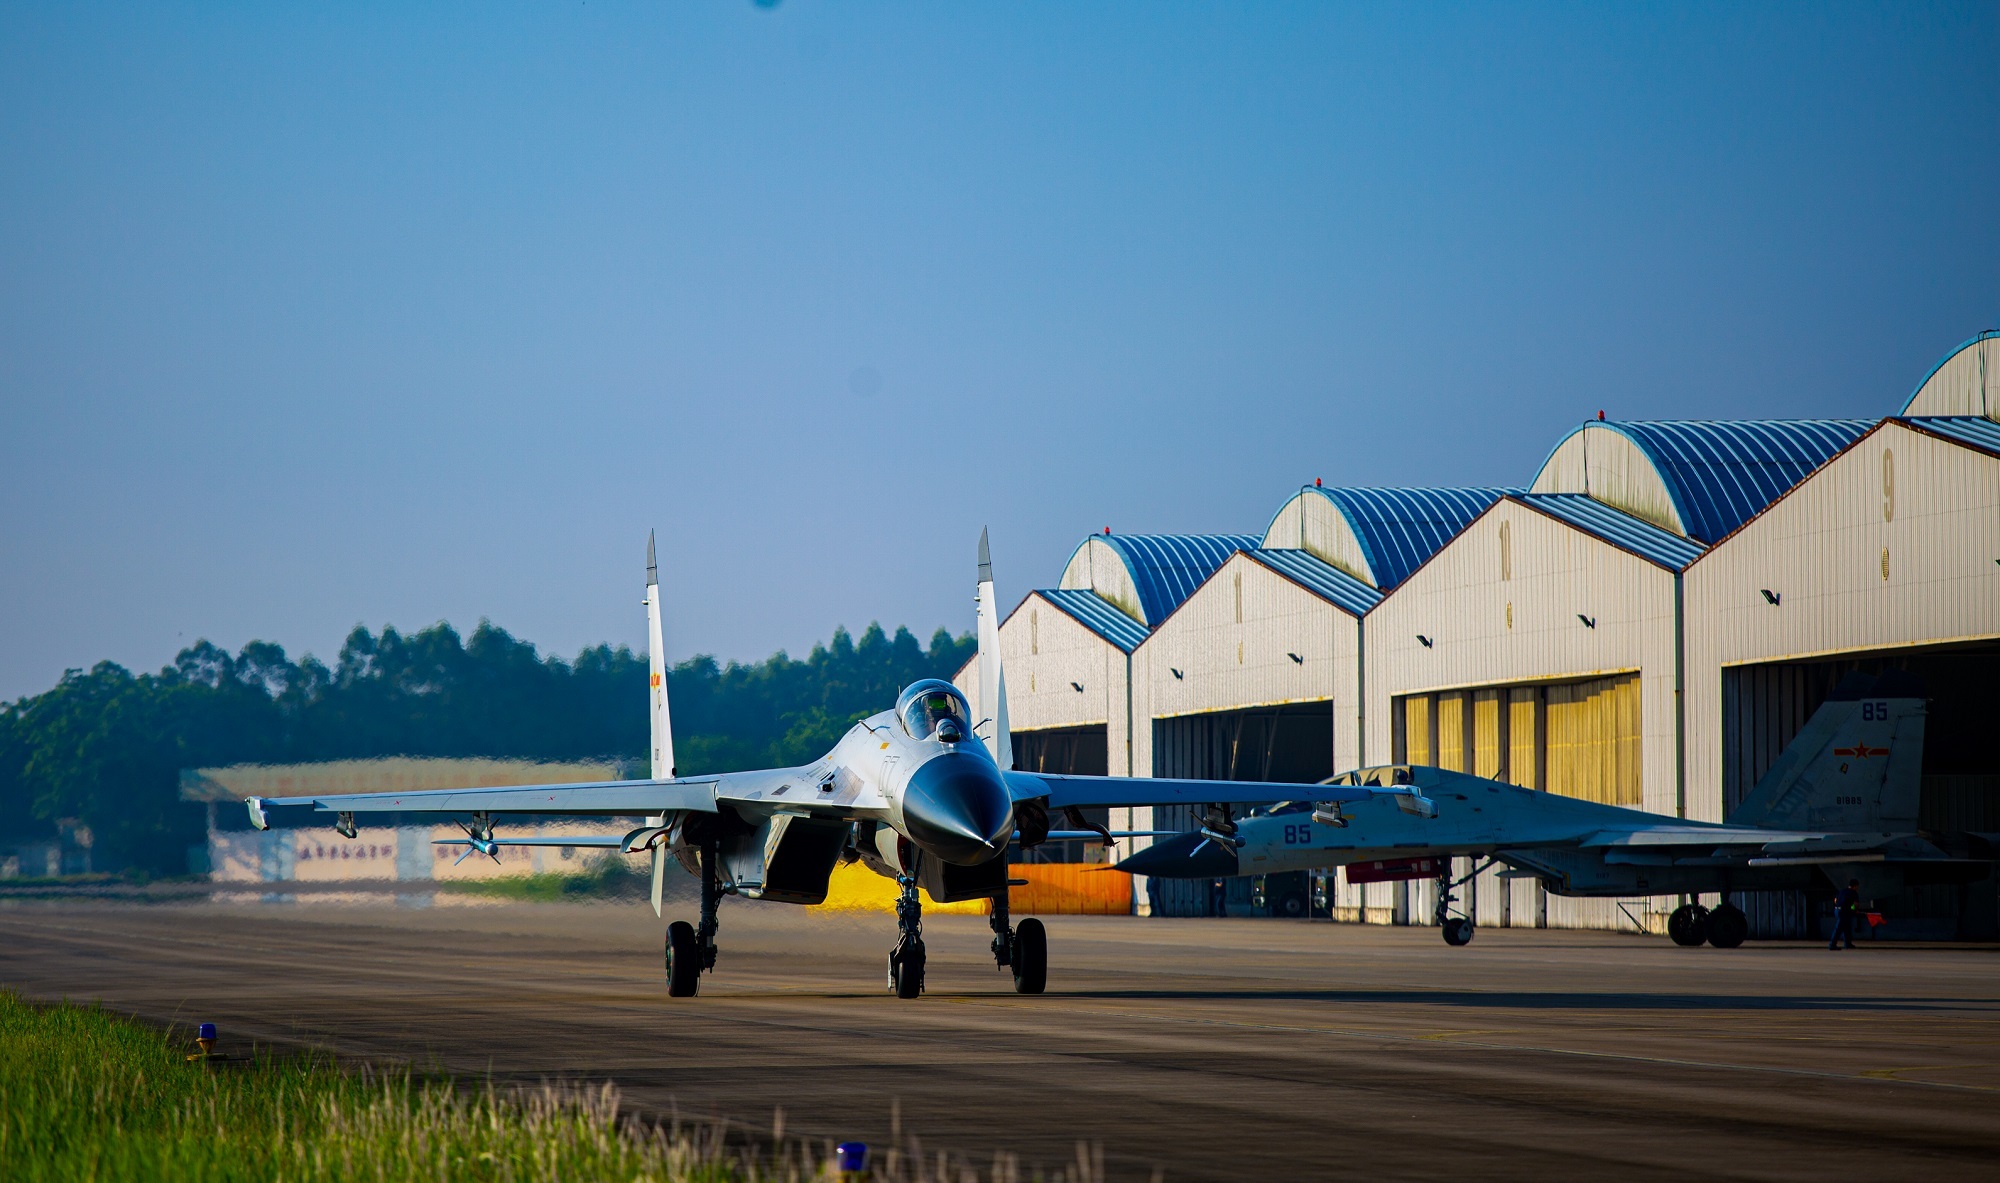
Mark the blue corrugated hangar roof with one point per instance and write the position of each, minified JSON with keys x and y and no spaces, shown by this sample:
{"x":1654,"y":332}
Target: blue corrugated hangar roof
{"x":1097,"y":615}
{"x":1309,"y":571}
{"x":1166,"y":568}
{"x":1400,"y":529}
{"x":1722,"y":474}
{"x":1983,"y":434}
{"x":1617,"y":527}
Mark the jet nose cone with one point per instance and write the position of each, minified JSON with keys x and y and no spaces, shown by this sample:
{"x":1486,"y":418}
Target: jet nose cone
{"x":957,"y":807}
{"x":1188,"y":856}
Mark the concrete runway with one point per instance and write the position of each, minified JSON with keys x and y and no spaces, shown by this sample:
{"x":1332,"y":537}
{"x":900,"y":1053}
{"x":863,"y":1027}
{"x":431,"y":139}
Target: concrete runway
{"x":1212,"y":1049}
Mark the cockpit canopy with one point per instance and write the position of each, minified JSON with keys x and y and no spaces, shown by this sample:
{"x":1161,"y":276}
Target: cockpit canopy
{"x":1384,"y":776}
{"x":926,"y":704}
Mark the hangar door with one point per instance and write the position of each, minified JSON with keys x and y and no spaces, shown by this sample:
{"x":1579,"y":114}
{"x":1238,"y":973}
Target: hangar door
{"x":1579,"y":739}
{"x":1292,"y":742}
{"x":1765,"y":706}
{"x":1079,"y":751}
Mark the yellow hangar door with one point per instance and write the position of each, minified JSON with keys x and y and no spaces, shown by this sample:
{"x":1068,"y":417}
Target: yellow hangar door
{"x":1580,"y":739}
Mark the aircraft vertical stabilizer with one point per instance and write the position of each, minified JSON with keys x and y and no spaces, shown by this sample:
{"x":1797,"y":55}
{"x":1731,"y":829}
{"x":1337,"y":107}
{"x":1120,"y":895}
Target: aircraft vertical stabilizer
{"x":1856,"y":765}
{"x":662,"y":721}
{"x":992,"y":678}
{"x":656,"y":656}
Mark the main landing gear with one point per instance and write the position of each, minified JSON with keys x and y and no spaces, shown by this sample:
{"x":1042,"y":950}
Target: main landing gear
{"x":1725,"y":927}
{"x":1023,"y":949}
{"x":690,"y":950}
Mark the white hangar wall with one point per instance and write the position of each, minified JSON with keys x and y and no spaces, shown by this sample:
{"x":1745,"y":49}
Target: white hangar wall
{"x":1249,"y":638}
{"x":1966,"y":382}
{"x":1098,"y":567}
{"x":1606,"y":465}
{"x":1494,"y":624}
{"x":1047,"y":653}
{"x":1316,"y":525}
{"x":1894,"y":545}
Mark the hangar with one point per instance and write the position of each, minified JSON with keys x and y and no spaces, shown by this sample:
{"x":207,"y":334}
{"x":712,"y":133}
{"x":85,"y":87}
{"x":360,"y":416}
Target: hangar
{"x":1888,"y":557}
{"x":1543,"y":645}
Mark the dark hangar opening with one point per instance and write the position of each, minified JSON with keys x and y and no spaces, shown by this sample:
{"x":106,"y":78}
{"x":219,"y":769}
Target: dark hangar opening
{"x":1075,"y":751}
{"x":1291,"y":743}
{"x":1765,"y":706}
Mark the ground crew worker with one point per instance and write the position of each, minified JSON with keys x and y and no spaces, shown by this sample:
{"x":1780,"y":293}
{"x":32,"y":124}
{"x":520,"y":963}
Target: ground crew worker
{"x":1845,"y":907}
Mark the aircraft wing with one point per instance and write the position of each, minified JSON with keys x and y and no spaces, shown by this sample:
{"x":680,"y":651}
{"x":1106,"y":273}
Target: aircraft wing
{"x":1121,"y":791}
{"x":609,"y":798}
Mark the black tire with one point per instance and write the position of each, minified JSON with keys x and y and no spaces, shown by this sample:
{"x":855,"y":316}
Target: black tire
{"x":1457,"y":931}
{"x":1290,"y":906}
{"x":906,"y":972}
{"x":1031,"y":957}
{"x":1727,"y":927}
{"x":683,"y":960}
{"x":1688,"y":926}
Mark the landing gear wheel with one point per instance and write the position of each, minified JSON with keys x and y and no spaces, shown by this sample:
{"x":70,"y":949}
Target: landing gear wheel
{"x":683,"y":960}
{"x":1688,"y":926}
{"x":1727,"y":927}
{"x":1457,"y":931}
{"x":906,"y":971}
{"x":1289,"y":906}
{"x":1030,"y":957}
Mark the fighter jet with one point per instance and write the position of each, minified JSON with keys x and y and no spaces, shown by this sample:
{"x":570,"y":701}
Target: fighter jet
{"x":915,"y":793}
{"x":1839,"y":803}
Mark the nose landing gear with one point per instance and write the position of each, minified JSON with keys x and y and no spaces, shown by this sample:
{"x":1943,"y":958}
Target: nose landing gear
{"x":906,"y":960}
{"x":1457,"y":930}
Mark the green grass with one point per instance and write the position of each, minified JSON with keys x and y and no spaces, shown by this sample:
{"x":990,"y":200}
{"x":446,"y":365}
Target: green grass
{"x":611,"y":878}
{"x":88,"y":1096}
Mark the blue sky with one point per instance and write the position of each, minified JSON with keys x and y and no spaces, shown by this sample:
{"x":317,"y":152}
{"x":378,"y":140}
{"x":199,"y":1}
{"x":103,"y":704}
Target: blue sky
{"x":313,"y":315}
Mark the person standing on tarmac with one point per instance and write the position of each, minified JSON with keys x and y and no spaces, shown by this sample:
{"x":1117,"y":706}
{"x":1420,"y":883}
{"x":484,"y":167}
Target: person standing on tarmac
{"x":1845,"y":906}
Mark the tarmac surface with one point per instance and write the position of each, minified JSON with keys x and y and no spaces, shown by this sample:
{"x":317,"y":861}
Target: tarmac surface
{"x":1205,"y":1049}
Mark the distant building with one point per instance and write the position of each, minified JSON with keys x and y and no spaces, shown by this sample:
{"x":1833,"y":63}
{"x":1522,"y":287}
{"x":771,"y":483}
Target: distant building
{"x":308,"y":849}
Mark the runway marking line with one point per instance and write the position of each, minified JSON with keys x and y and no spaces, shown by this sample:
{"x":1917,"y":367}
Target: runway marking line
{"x":1388,"y":1037}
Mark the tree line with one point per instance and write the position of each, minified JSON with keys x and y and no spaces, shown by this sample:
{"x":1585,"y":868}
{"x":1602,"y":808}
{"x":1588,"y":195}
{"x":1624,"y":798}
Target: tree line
{"x":105,"y":747}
